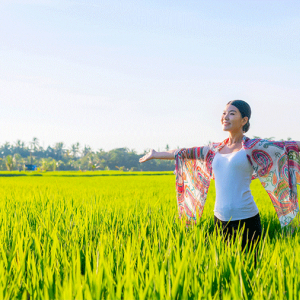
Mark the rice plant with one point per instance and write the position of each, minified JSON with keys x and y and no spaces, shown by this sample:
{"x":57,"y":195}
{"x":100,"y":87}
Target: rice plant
{"x":119,"y":237}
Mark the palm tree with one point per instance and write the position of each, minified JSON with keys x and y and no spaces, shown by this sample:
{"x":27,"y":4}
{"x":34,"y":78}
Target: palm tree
{"x":67,"y":154}
{"x":59,"y":150}
{"x":45,"y":164}
{"x":19,"y":144}
{"x":92,"y":163}
{"x":59,"y":163}
{"x":33,"y":146}
{"x":17,"y":159}
{"x":23,"y":160}
{"x":6,"y":149}
{"x":19,"y":148}
{"x":54,"y":164}
{"x":35,"y":143}
{"x":86,"y":150}
{"x":77,"y":164}
{"x":75,"y":149}
{"x":9,"y":162}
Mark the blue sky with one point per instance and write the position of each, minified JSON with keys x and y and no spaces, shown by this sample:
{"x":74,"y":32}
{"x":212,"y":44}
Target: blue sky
{"x":143,"y":74}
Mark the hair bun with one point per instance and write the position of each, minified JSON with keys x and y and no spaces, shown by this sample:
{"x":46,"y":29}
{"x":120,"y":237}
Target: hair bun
{"x":246,"y":126}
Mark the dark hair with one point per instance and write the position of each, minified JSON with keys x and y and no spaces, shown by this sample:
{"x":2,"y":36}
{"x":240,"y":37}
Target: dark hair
{"x":244,"y":109}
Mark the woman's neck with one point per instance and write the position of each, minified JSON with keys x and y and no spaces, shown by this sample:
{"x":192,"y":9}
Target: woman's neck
{"x":235,"y":138}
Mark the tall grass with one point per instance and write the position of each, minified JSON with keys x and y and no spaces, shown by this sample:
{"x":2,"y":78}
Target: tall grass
{"x":120,"y":238}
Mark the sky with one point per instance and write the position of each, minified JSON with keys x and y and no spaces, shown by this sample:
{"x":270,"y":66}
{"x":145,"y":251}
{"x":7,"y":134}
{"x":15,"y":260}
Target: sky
{"x":144,"y":74}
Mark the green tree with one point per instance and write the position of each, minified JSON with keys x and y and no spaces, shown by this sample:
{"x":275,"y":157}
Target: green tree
{"x":59,"y":163}
{"x":9,"y":162}
{"x":59,"y":150}
{"x":45,"y":164}
{"x":17,"y":160}
{"x":53,"y":164}
{"x":6,"y":149}
{"x":91,"y":157}
{"x":77,"y":164}
{"x":75,"y":149}
{"x":86,"y":150}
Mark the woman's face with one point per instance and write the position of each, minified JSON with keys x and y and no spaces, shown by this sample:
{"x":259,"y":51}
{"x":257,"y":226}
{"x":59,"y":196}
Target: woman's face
{"x":232,"y":119}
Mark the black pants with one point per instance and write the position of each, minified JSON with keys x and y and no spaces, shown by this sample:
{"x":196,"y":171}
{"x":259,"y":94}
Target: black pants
{"x":251,"y":228}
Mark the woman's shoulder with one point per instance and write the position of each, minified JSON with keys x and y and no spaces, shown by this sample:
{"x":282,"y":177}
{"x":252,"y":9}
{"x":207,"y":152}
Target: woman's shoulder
{"x":257,"y":143}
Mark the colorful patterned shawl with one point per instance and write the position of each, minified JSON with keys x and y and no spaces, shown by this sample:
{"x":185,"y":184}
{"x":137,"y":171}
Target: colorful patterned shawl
{"x":276,"y":164}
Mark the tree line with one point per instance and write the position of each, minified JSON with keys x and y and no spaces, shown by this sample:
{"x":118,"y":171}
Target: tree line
{"x":19,"y":155}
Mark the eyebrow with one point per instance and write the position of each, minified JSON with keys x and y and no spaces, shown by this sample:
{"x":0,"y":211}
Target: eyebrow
{"x":230,"y":110}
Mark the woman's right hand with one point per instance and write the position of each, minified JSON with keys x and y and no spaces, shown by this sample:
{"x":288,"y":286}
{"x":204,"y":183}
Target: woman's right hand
{"x":148,"y":156}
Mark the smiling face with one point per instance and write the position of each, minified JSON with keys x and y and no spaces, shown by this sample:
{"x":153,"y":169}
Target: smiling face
{"x":232,"y":119}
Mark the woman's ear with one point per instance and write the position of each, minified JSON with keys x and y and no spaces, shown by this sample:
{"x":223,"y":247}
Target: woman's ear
{"x":245,"y":120}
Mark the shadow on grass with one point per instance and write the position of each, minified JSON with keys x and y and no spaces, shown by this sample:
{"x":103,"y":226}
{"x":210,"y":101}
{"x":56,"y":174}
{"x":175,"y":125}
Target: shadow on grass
{"x":18,"y":175}
{"x":270,"y":227}
{"x":99,"y":175}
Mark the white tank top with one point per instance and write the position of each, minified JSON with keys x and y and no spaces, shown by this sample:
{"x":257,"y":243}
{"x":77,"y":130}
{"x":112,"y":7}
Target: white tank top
{"x":233,"y":174}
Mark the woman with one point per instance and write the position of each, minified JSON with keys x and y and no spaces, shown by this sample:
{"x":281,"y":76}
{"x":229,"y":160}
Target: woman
{"x":233,"y":163}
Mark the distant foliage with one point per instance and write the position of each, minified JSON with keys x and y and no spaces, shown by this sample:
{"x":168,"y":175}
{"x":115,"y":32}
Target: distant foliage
{"x":271,"y":138}
{"x":59,"y":157}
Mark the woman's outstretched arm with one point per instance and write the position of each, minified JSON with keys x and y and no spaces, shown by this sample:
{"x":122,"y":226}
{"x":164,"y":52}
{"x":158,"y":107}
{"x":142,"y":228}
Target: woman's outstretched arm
{"x":158,"y":155}
{"x":198,"y":153}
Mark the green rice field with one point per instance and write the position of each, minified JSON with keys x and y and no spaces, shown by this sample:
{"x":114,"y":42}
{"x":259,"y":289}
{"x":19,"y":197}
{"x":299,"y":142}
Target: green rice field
{"x":116,"y":235}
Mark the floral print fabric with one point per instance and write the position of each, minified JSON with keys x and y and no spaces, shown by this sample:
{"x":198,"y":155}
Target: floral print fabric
{"x":276,"y":164}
